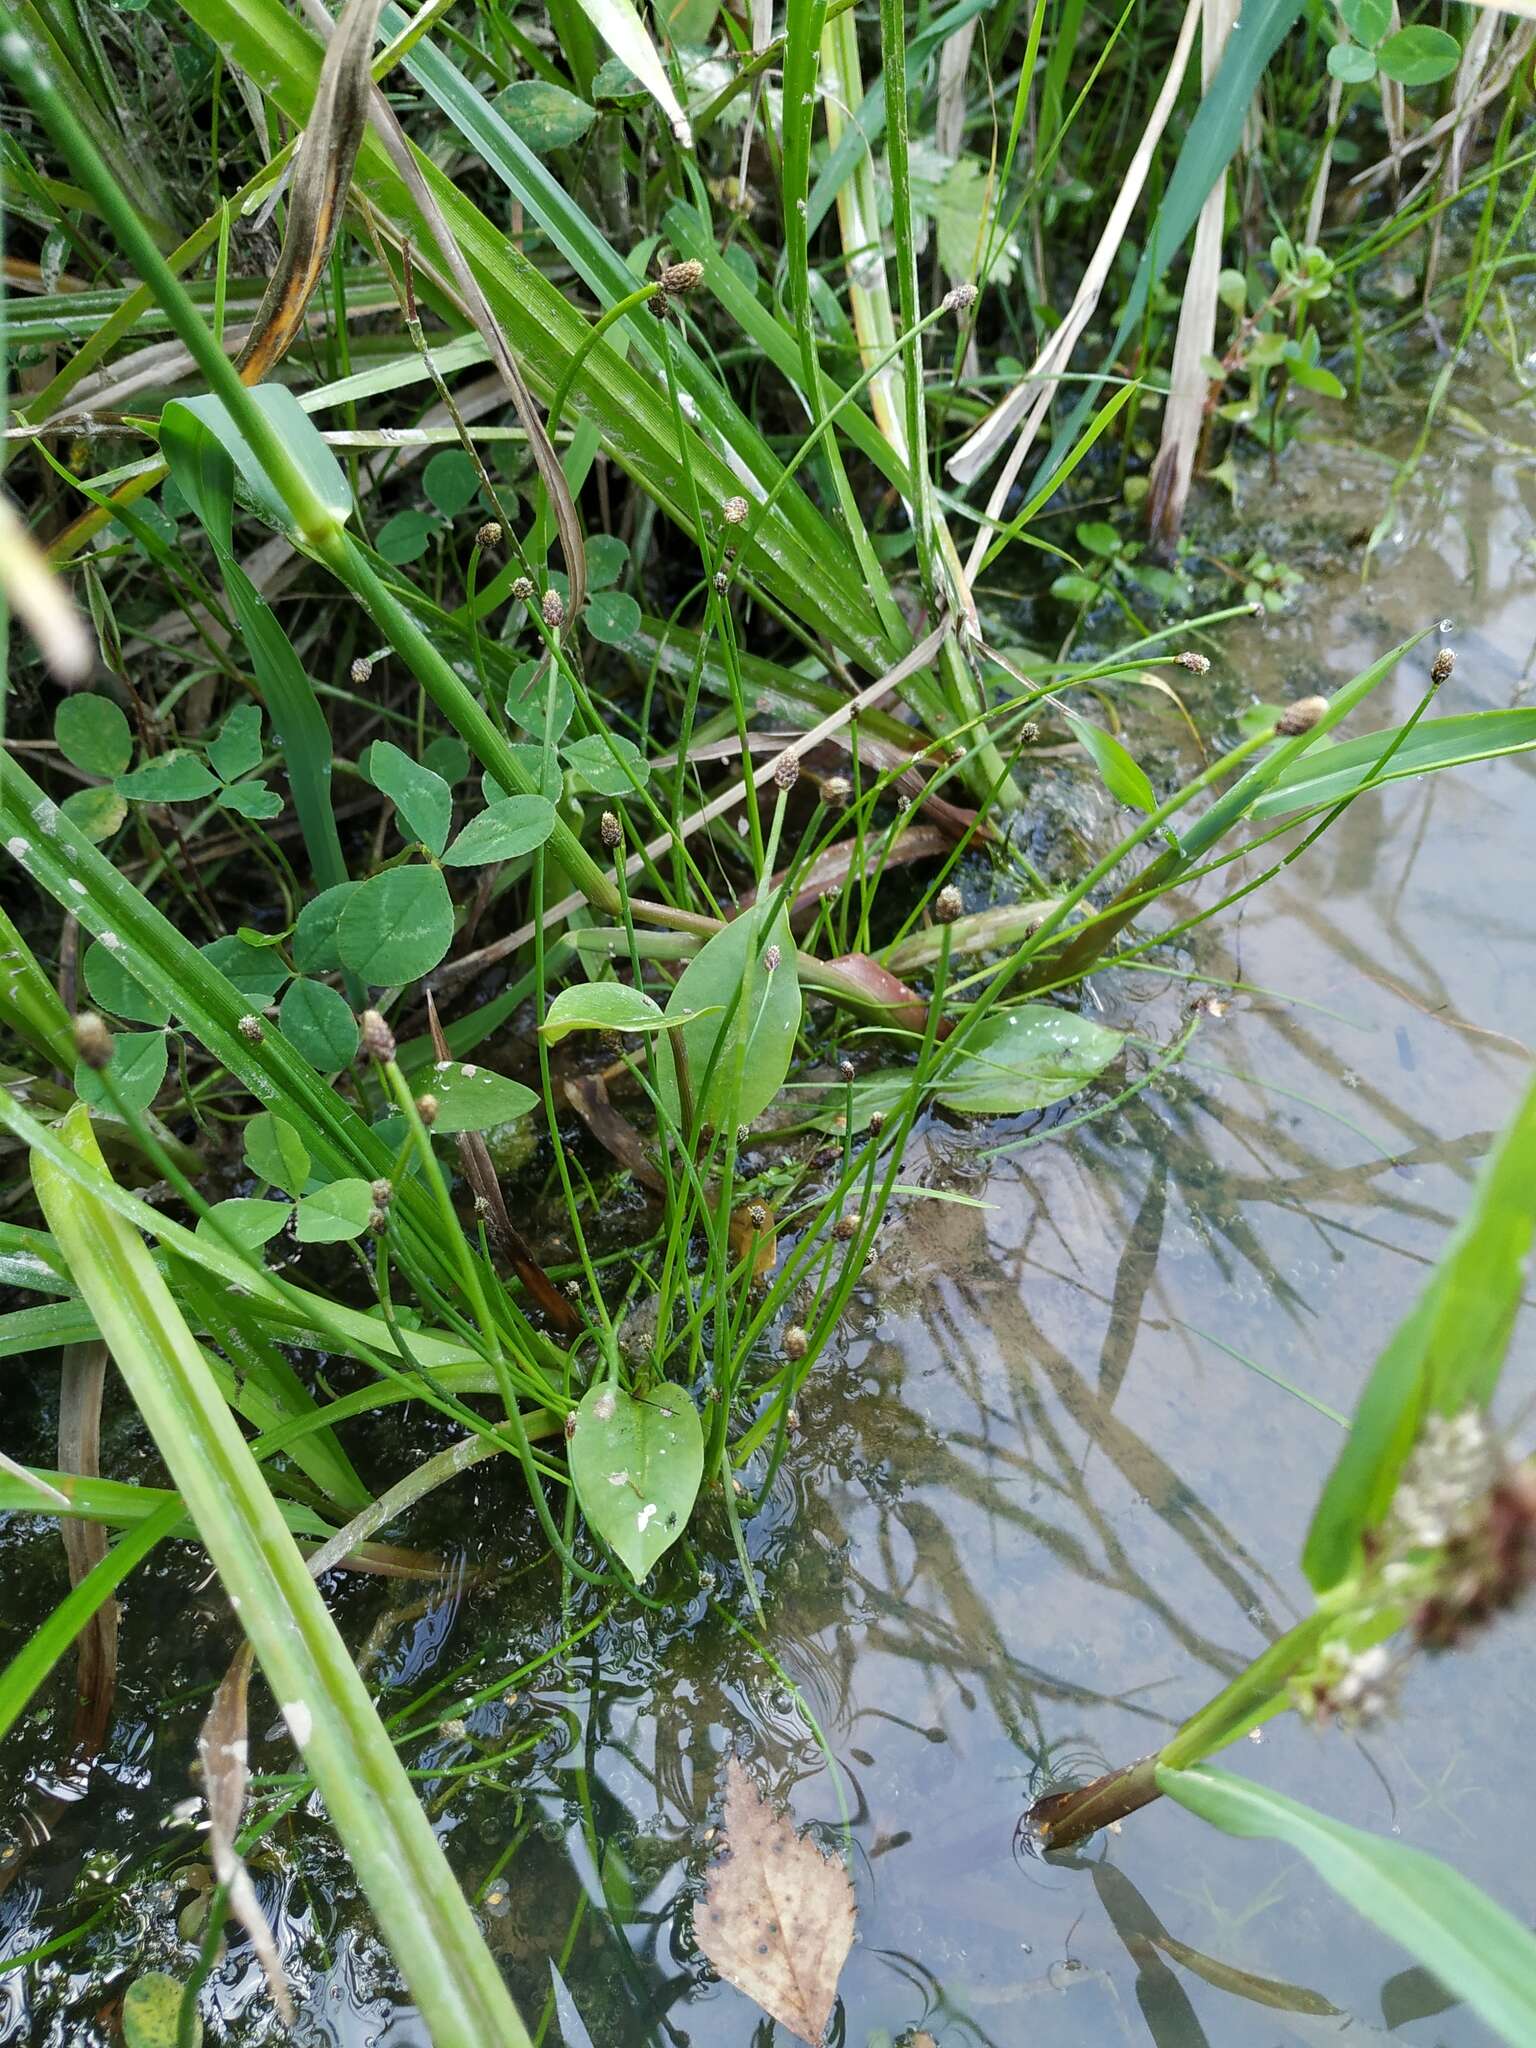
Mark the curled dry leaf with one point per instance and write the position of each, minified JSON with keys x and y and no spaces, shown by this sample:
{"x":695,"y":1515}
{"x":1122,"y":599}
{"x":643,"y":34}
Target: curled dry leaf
{"x":222,"y":1747}
{"x":777,"y":1916}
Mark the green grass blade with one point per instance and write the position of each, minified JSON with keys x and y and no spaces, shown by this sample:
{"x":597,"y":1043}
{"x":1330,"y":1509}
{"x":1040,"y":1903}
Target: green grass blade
{"x":1334,"y":776}
{"x":1475,"y":1948}
{"x":421,"y":1911}
{"x":1445,"y":1357}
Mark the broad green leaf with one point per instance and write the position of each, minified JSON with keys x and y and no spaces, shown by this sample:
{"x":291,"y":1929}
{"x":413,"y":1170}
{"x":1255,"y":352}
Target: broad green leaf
{"x":179,"y":777}
{"x":1419,"y":55}
{"x":1123,"y":777}
{"x":1446,"y":1355}
{"x":250,"y":800}
{"x":1367,"y":20}
{"x":515,"y":825}
{"x":608,"y":1006}
{"x":612,"y":617}
{"x":1351,"y":65}
{"x":314,"y":933}
{"x":137,"y":1070}
{"x":332,"y":1215}
{"x":1074,"y":589}
{"x":450,"y":481}
{"x":257,"y":971}
{"x":317,"y":1021}
{"x":152,"y":2012}
{"x":184,"y":420}
{"x":396,"y":927}
{"x":275,"y":1152}
{"x":607,"y":763}
{"x":471,"y":1098}
{"x":115,"y":990}
{"x":423,"y":800}
{"x":93,"y":733}
{"x":1099,"y":538}
{"x":1476,"y":1949}
{"x":540,"y":699}
{"x":1325,"y":778}
{"x":744,"y":1002}
{"x":237,"y":750}
{"x":97,"y":812}
{"x":607,"y":558}
{"x":545,"y":116}
{"x":250,"y":1222}
{"x":406,"y":537}
{"x":1025,"y":1058}
{"x":636,"y":1462}
{"x":447,"y":756}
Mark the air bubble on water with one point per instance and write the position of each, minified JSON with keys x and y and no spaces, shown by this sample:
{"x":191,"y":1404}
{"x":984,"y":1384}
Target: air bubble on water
{"x":1446,"y":626}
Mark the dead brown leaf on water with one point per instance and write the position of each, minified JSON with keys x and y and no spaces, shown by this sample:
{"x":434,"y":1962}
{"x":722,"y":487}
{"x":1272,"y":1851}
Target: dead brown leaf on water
{"x":777,"y":1915}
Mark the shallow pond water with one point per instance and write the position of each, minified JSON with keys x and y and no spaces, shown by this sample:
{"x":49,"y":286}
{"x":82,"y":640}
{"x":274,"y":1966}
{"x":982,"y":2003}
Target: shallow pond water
{"x":1039,"y":1508}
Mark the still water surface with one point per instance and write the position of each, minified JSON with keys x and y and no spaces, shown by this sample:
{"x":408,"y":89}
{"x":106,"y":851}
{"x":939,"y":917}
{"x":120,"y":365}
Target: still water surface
{"x":1038,"y":1510}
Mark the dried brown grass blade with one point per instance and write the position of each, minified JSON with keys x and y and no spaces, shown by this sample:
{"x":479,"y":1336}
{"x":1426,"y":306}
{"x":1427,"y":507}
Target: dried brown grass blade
{"x":317,"y":194}
{"x":777,"y":1916}
{"x":223,"y":1750}
{"x":485,"y":323}
{"x":588,"y":1096}
{"x":1025,"y":406}
{"x":1189,"y":382}
{"x":475,"y":1158}
{"x":82,"y":1380}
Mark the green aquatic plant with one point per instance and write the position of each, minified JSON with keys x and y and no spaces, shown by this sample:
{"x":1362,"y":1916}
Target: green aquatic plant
{"x":1425,"y":1533}
{"x":612,"y":732}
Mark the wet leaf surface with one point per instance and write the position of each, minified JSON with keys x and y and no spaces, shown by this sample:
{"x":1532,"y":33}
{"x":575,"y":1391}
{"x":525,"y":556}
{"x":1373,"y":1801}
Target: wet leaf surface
{"x":777,"y":1917}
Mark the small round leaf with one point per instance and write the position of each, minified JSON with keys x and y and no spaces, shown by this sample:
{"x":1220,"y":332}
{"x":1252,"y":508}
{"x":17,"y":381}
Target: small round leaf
{"x":396,"y":927}
{"x":318,"y":1024}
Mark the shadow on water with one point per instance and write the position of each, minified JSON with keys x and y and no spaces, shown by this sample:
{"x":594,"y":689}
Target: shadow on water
{"x":1039,"y":1506}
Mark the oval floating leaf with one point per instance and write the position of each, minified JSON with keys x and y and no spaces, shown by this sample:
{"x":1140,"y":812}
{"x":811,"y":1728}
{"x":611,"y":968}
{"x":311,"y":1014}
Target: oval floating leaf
{"x":513,"y":826}
{"x":396,"y":927}
{"x":636,"y":1464}
{"x":1026,"y":1058}
{"x":317,"y":1022}
{"x":152,"y":2012}
{"x":777,"y":1916}
{"x":1474,"y":1947}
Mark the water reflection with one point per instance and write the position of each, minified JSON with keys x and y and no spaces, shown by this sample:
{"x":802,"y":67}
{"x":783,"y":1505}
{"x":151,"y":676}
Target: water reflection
{"x":1038,"y":1510}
